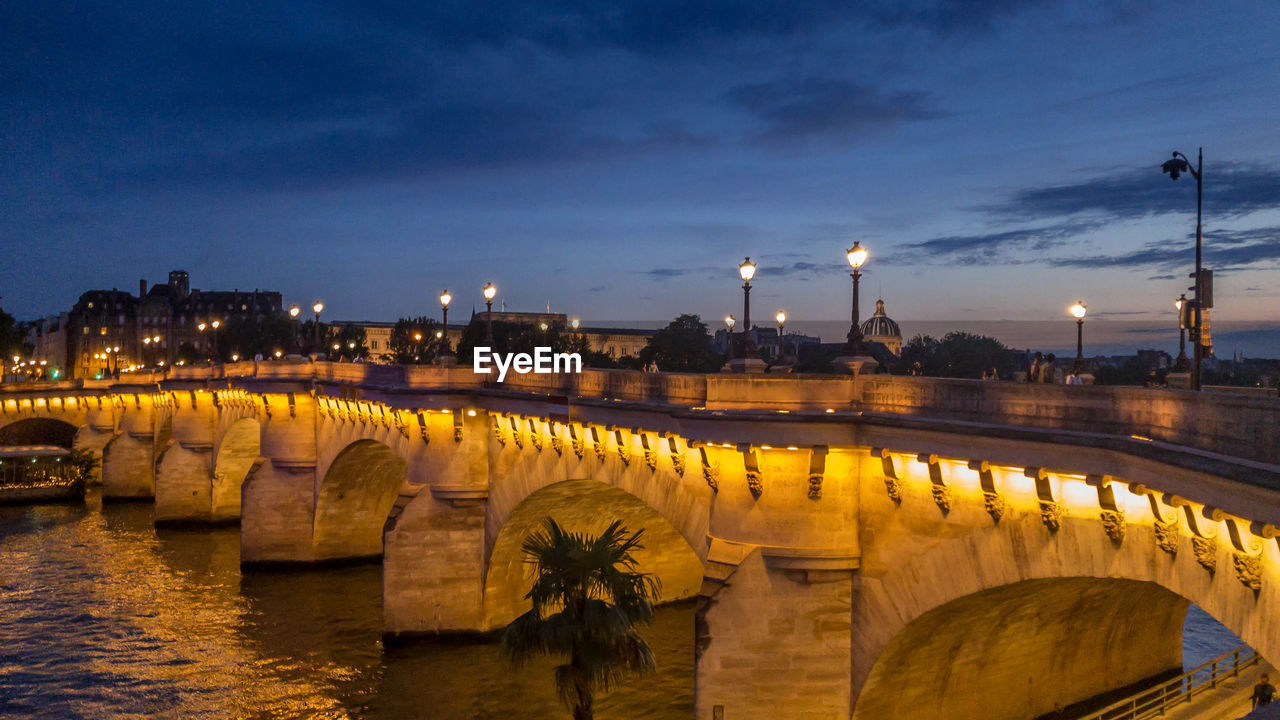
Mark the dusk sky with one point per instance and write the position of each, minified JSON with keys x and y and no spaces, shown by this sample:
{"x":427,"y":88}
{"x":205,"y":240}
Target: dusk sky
{"x":617,"y":160}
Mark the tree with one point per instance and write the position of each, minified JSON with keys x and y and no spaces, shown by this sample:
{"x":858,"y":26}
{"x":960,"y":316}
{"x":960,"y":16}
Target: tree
{"x":249,"y":336}
{"x":684,"y":345}
{"x":957,"y":355}
{"x":413,"y":341}
{"x":350,"y":340}
{"x":587,"y":598}
{"x":13,"y":338}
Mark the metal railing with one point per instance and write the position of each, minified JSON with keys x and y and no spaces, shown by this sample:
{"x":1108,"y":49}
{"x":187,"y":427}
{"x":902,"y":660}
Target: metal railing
{"x":1156,"y":701}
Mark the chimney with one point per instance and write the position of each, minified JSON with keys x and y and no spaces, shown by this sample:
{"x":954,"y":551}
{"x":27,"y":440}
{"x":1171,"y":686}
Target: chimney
{"x":142,"y":288}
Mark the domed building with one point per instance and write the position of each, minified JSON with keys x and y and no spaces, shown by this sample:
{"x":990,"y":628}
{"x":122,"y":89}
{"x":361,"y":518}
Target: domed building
{"x":880,"y":328}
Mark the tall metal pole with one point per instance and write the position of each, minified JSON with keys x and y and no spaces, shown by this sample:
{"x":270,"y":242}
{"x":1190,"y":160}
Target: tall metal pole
{"x":1079,"y":342}
{"x":444,"y":337}
{"x":488,"y":322}
{"x":317,"y":329}
{"x":855,"y":332}
{"x":1198,"y":349}
{"x":748,"y":346}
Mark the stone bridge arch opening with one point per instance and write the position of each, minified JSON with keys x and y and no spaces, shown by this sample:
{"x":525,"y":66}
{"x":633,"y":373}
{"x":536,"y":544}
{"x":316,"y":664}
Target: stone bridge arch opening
{"x":1026,"y":649}
{"x":39,"y":431}
{"x":585,"y":506}
{"x":238,"y":450}
{"x":354,"y":499}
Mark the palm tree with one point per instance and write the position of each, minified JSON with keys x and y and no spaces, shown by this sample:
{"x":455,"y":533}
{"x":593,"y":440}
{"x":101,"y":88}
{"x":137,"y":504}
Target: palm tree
{"x":587,"y":598}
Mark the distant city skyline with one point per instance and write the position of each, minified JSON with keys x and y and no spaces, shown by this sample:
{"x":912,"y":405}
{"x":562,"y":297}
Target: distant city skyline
{"x":999,"y":160}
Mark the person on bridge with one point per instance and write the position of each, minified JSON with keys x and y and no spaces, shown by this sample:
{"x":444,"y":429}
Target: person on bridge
{"x":1264,"y":692}
{"x":1033,"y":373}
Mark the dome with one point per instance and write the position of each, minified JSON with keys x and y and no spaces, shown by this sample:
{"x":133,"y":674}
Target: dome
{"x":880,"y":326}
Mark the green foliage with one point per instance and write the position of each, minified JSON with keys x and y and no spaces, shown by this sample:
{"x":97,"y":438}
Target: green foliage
{"x":248,"y":336}
{"x":414,"y":341}
{"x":350,"y":339}
{"x":587,"y":598}
{"x":187,"y":353}
{"x":83,"y":463}
{"x":684,"y":345}
{"x":13,"y":338}
{"x":957,"y":355}
{"x":519,"y":338}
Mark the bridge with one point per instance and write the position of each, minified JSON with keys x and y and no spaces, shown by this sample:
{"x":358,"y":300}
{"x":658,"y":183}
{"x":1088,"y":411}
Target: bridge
{"x":858,"y":546}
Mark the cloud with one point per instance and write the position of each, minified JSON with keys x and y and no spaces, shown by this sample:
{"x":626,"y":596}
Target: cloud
{"x":1233,"y":189}
{"x":1243,"y":249}
{"x":826,"y":107}
{"x":666,"y":273}
{"x":993,"y":247}
{"x":1063,"y":215}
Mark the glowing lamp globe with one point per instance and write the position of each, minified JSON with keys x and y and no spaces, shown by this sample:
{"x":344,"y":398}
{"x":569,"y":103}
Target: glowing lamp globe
{"x":857,"y":255}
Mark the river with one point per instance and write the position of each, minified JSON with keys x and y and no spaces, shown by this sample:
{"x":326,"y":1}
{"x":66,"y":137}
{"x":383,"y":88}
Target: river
{"x":102,"y":616}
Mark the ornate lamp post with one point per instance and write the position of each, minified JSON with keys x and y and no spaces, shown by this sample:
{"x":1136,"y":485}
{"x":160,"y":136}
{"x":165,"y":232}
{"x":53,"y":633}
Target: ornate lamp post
{"x":781,"y":317}
{"x":316,"y":308}
{"x":215,"y":325}
{"x":445,"y":356}
{"x":1180,"y":365}
{"x":746,"y":271}
{"x":1077,"y":311}
{"x":294,"y":311}
{"x":490,"y":292}
{"x":201,"y":327}
{"x":1174,"y":167}
{"x":857,"y":257}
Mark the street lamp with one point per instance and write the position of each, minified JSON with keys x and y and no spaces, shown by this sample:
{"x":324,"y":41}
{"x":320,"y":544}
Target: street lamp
{"x":730,"y":321}
{"x":746,"y":271}
{"x":215,"y":325}
{"x":490,"y":291}
{"x":1077,"y":311}
{"x":317,"y":307}
{"x":294,"y":311}
{"x":445,"y":299}
{"x":1180,"y":365}
{"x":857,"y":257}
{"x":574,"y":323}
{"x":781,"y":317}
{"x":1174,"y":167}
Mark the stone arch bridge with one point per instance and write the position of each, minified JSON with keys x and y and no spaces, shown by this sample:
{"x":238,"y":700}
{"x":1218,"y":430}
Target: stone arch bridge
{"x":859,"y":547}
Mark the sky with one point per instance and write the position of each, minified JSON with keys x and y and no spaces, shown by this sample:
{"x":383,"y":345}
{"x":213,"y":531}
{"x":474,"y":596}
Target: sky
{"x":999,"y":159}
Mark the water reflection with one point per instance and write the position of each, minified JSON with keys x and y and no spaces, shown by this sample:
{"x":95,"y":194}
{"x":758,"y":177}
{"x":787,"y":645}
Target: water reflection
{"x":102,"y":616}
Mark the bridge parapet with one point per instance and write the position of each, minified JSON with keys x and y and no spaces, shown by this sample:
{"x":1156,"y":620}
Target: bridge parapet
{"x":1245,"y":427}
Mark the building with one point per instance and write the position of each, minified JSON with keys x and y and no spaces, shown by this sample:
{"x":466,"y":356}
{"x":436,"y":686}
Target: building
{"x":108,"y":330}
{"x":880,"y":328}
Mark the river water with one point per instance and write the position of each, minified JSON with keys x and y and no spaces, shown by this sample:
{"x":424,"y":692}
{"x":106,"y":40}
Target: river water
{"x":102,"y":616}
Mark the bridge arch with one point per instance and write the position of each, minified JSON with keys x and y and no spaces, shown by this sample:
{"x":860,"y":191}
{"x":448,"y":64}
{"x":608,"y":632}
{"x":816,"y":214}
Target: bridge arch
{"x":39,"y":431}
{"x":238,"y":450}
{"x":354,"y":499}
{"x":587,"y":506}
{"x":1013,"y":621}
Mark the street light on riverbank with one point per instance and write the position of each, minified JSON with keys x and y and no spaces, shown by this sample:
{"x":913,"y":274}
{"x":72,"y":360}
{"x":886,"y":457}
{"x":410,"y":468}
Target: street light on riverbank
{"x":1174,"y":167}
{"x":857,"y":257}
{"x":490,"y":292}
{"x":1078,"y":311}
{"x":317,"y":307}
{"x":746,"y":271}
{"x":1180,"y":365}
{"x":445,"y":352}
